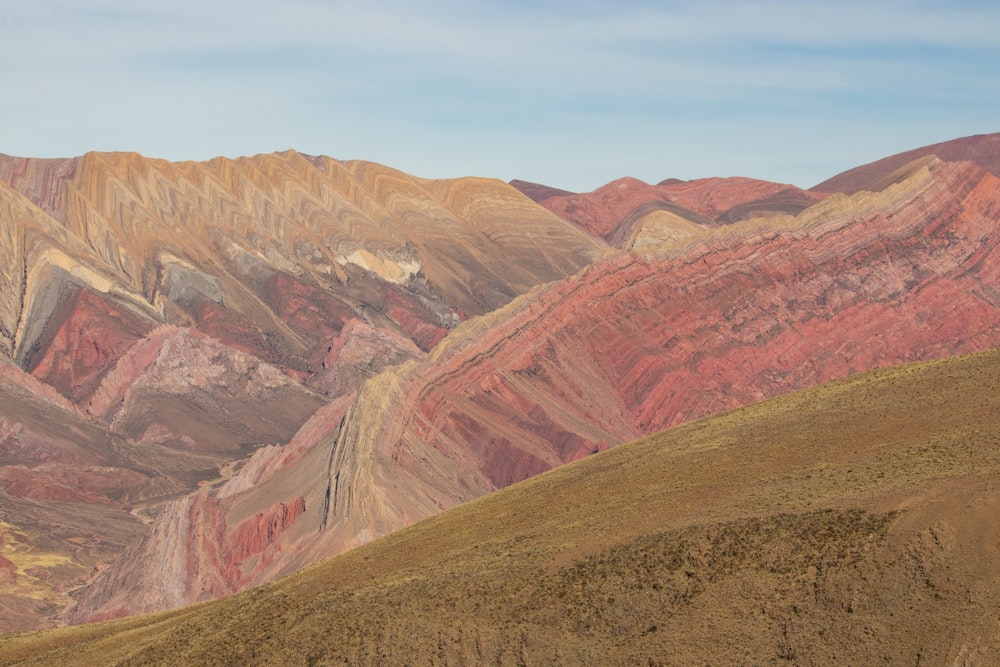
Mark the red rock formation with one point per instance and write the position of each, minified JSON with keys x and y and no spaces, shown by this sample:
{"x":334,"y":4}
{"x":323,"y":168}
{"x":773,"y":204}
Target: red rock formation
{"x":180,"y":389}
{"x":86,"y":337}
{"x":358,"y":353}
{"x":728,"y":200}
{"x":272,"y":278}
{"x":186,"y":309}
{"x":983,"y":149}
{"x":41,"y":181}
{"x":306,"y":308}
{"x":603,"y":211}
{"x":633,"y":346}
{"x":218,"y":540}
{"x":262,"y":529}
{"x":617,"y":211}
{"x":627,"y":347}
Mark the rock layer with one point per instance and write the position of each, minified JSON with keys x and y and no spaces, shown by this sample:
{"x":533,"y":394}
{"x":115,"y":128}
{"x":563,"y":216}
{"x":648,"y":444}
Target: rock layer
{"x":629,"y":213}
{"x":191,"y":313}
{"x":258,"y":363}
{"x":983,"y":149}
{"x":273,"y":254}
{"x":630,"y":346}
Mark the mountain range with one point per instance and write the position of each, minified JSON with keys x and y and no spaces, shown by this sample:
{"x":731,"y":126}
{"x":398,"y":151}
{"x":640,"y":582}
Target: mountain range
{"x":215,"y":374}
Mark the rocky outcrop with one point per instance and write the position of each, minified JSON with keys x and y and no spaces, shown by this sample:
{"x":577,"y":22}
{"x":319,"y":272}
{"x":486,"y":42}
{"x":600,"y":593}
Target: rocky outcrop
{"x":359,"y":352}
{"x":245,"y":529}
{"x":632,"y":346}
{"x":88,"y":335}
{"x":242,"y":366}
{"x":258,"y":532}
{"x":270,"y":254}
{"x":78,"y":487}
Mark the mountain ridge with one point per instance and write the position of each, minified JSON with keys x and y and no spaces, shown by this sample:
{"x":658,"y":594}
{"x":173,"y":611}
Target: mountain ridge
{"x":983,"y":149}
{"x":304,"y":272}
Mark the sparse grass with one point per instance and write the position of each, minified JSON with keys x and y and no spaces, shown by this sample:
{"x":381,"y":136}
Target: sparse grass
{"x":32,"y":567}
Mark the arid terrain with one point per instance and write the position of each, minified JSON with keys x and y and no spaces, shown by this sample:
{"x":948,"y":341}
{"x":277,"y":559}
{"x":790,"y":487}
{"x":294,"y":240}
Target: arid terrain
{"x":853,"y":523}
{"x":214,"y":374}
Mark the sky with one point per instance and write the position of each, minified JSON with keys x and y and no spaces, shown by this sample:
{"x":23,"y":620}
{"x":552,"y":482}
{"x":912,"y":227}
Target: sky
{"x":571,"y":94}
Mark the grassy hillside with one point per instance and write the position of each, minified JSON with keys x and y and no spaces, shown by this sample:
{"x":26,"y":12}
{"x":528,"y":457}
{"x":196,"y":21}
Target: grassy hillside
{"x":854,"y":523}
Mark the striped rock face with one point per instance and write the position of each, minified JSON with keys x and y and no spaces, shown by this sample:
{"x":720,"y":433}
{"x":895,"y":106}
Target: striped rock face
{"x":630,"y":214}
{"x":159,"y":322}
{"x":217,"y":373}
{"x":633,"y":344}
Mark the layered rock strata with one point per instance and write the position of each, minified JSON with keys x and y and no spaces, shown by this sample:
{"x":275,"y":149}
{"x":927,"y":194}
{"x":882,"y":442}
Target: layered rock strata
{"x":189,"y":314}
{"x":983,"y":149}
{"x":629,"y":346}
{"x":631,"y":214}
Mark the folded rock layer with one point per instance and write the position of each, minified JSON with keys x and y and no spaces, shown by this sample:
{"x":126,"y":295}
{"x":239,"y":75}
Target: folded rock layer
{"x":192,"y":313}
{"x":627,"y":347}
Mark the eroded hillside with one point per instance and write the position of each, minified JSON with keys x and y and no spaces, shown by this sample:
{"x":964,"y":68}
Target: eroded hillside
{"x":852,"y":523}
{"x":188,"y":314}
{"x":255,"y":364}
{"x":627,"y":347}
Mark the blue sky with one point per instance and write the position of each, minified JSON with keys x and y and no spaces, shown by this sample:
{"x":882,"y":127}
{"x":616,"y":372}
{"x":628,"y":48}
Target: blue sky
{"x":570,"y":94}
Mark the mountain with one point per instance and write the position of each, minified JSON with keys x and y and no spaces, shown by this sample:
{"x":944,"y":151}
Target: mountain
{"x":173,"y":318}
{"x":983,"y":149}
{"x":852,"y":523}
{"x":259,"y":363}
{"x":627,"y":347}
{"x":631,"y":214}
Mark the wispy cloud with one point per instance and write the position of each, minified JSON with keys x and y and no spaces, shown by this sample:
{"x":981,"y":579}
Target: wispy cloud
{"x":570,"y":93}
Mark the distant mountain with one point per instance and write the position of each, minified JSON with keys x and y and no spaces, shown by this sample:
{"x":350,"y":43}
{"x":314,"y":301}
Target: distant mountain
{"x":853,"y":523}
{"x":983,"y":149}
{"x":631,"y":214}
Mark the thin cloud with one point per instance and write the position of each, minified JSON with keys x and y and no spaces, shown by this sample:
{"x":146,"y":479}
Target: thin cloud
{"x":448,"y":88}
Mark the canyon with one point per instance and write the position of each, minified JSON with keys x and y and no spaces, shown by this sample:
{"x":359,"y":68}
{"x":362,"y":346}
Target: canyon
{"x":218,"y":373}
